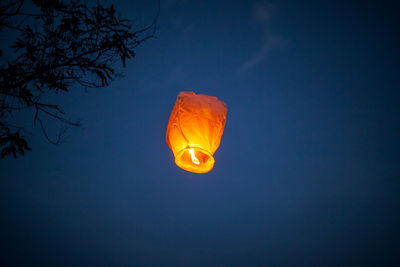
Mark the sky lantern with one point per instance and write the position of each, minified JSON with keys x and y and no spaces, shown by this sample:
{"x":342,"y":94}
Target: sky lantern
{"x":195,"y":129}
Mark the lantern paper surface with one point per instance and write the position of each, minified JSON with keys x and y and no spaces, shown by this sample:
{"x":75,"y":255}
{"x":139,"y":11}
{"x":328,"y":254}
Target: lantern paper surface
{"x":195,"y":129}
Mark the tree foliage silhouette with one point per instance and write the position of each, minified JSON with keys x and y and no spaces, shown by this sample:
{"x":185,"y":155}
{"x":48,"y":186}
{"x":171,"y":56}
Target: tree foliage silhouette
{"x":72,"y":44}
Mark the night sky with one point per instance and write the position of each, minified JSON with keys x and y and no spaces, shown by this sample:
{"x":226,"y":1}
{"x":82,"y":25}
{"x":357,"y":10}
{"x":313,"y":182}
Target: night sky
{"x":307,"y":172}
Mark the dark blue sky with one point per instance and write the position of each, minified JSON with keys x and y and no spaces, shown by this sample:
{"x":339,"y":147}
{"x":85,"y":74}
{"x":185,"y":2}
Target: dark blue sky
{"x":307,"y":172}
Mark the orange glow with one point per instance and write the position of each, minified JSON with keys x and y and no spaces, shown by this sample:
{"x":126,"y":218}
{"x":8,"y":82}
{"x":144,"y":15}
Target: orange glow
{"x":195,"y":129}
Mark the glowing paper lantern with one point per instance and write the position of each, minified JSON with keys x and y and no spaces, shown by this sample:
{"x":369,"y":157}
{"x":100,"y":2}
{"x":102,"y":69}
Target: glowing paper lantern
{"x":195,"y":129}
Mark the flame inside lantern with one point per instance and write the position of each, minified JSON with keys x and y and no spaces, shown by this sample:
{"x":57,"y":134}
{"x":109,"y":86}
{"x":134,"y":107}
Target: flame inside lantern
{"x":193,"y":156}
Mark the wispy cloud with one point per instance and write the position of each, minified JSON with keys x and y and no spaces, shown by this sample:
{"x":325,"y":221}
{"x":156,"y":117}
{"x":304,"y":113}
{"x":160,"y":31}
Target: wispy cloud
{"x":269,"y":43}
{"x":261,"y":14}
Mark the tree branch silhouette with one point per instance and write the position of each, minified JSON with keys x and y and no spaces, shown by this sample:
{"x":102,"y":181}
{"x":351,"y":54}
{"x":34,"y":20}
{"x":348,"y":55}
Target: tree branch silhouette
{"x":76,"y":44}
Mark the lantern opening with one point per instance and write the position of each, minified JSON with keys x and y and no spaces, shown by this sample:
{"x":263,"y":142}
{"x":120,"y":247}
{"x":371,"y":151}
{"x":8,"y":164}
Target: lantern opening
{"x":195,"y":160}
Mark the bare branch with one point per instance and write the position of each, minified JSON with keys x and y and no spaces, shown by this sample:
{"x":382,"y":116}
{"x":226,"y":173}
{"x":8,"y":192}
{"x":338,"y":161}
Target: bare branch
{"x":77,"y":44}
